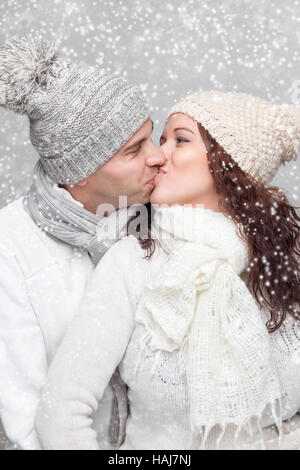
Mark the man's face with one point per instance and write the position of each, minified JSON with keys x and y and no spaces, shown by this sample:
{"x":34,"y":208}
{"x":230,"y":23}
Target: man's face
{"x":127,"y":173}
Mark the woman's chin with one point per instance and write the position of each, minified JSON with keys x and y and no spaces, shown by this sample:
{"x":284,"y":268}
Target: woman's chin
{"x":159,"y":198}
{"x":156,"y":197}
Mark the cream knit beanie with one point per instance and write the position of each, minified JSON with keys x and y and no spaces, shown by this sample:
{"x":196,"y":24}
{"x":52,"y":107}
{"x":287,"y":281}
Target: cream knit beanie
{"x":258,"y":135}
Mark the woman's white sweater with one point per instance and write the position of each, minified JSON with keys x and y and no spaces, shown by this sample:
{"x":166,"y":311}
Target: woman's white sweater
{"x":104,"y":335}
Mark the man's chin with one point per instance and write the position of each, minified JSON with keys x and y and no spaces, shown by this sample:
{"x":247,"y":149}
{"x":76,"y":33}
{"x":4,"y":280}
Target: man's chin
{"x":138,"y":201}
{"x":142,"y":198}
{"x":147,"y":197}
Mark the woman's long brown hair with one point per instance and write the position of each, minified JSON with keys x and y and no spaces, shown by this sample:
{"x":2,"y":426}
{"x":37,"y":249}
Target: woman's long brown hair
{"x":270,"y":227}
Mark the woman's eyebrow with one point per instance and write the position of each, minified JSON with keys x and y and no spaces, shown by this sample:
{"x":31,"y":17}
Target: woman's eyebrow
{"x":180,"y":128}
{"x":185,"y":129}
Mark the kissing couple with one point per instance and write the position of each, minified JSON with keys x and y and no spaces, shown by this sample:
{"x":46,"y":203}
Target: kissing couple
{"x":180,"y":328}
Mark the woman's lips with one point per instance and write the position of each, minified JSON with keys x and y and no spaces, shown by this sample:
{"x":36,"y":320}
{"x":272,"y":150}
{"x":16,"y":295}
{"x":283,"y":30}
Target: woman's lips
{"x":159,"y":175}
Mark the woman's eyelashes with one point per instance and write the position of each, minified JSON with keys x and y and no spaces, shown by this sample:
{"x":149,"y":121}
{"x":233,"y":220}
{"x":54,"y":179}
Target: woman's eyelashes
{"x":182,"y":139}
{"x":178,"y":139}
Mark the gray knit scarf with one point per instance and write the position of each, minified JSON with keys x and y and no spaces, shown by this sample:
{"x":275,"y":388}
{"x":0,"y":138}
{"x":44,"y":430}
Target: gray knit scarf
{"x":67,"y":221}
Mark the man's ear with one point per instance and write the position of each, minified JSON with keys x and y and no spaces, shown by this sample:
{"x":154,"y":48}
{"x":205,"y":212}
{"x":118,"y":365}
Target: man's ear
{"x":75,"y":185}
{"x":81,"y":183}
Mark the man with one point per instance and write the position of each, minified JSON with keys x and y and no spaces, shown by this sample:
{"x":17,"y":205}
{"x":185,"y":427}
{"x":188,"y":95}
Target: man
{"x":93,"y":135}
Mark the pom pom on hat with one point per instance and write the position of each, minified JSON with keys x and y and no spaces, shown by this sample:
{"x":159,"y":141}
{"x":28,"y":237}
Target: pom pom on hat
{"x":25,"y":63}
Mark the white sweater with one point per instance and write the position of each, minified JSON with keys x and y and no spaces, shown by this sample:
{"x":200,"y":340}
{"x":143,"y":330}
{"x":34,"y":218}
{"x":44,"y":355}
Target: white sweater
{"x":42,"y":281}
{"x":105,"y":334}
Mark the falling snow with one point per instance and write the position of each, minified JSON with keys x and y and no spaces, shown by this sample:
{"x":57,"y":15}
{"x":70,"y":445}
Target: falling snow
{"x":170,"y":49}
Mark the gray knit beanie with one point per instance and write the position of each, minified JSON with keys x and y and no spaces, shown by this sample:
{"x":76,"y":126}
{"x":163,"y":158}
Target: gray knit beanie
{"x":79,"y":116}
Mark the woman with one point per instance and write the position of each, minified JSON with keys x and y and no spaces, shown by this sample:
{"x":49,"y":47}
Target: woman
{"x":204,"y":328}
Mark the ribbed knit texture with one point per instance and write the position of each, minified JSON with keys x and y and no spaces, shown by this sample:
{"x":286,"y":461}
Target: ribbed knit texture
{"x":258,"y":135}
{"x":79,"y":116}
{"x":67,"y":221}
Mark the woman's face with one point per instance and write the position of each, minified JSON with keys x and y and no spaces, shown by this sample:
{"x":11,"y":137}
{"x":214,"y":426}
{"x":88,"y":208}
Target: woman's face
{"x":185,"y":177}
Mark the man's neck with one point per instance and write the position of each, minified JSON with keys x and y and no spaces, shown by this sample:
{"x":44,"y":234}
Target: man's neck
{"x":78,"y":197}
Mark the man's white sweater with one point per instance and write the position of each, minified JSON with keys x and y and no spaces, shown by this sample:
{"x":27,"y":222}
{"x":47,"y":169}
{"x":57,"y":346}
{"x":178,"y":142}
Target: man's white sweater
{"x":42,"y":281}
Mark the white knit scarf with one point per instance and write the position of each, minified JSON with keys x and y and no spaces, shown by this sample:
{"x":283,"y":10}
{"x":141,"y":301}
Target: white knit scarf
{"x":198,"y":298}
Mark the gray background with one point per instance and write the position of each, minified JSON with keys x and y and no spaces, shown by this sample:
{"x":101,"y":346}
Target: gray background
{"x":170,"y":49}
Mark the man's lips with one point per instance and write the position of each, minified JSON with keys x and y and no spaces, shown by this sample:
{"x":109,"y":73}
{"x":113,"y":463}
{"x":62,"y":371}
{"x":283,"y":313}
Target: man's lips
{"x":152,"y":179}
{"x":159,"y":173}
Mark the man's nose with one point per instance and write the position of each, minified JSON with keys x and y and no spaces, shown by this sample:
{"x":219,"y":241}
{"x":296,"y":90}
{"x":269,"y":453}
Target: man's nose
{"x":157,"y":157}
